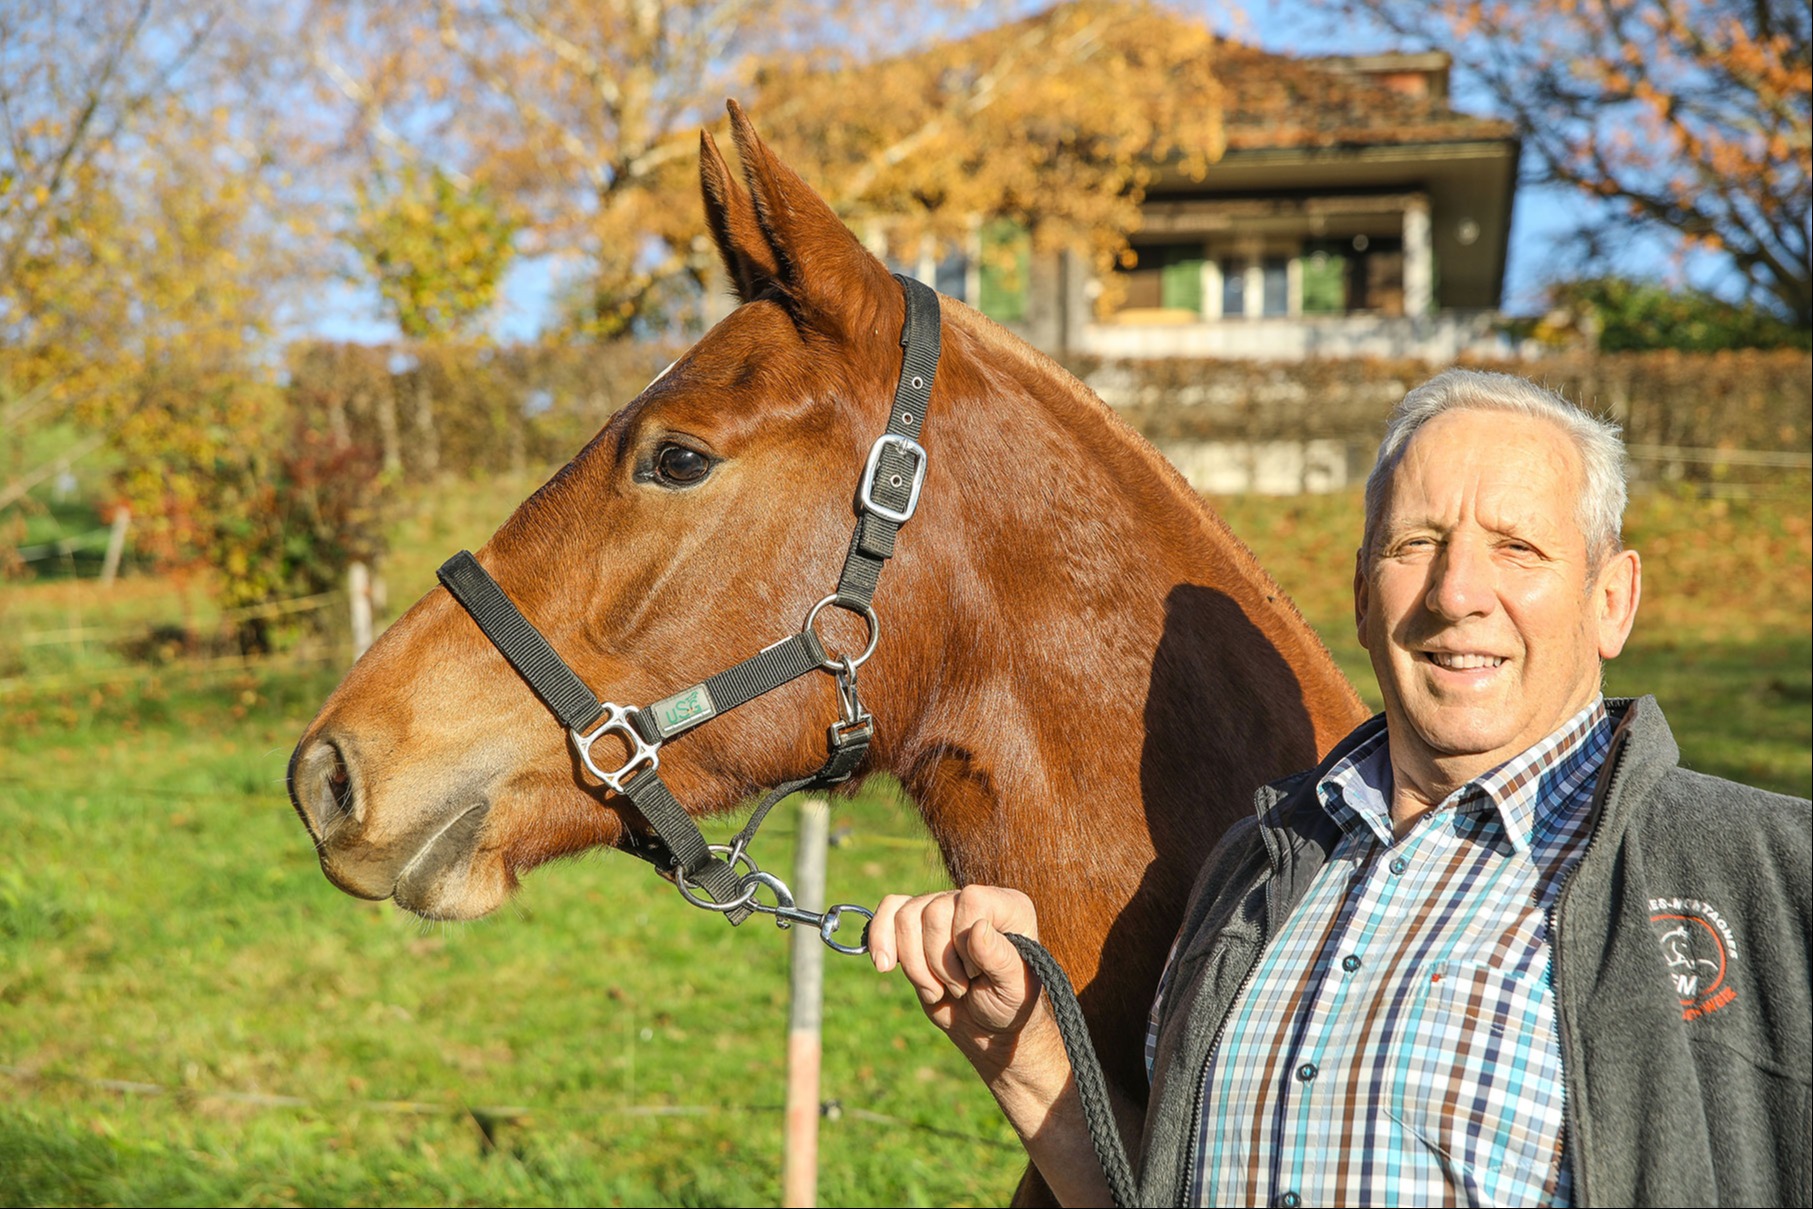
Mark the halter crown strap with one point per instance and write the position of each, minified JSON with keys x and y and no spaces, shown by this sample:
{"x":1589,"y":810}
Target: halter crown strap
{"x":889,"y":491}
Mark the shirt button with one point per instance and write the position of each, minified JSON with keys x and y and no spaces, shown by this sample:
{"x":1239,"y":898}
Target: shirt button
{"x":1398,"y":865}
{"x":1350,"y":963}
{"x":1290,"y":1200}
{"x":1306,"y":1072}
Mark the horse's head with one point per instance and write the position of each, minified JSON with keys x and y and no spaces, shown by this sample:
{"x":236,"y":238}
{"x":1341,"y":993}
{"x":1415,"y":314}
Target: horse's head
{"x":700,"y":525}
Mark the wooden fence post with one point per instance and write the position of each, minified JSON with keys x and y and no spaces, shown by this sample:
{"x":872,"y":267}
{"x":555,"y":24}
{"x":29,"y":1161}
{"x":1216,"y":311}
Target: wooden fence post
{"x":116,"y":545}
{"x":799,"y":1162}
{"x":358,"y":591}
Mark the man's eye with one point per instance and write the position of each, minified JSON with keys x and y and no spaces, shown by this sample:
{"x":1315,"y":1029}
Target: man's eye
{"x":679,"y":465}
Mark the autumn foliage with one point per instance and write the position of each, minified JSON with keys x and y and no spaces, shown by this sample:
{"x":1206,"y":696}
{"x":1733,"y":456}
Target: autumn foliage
{"x":1693,"y":117}
{"x":184,"y":185}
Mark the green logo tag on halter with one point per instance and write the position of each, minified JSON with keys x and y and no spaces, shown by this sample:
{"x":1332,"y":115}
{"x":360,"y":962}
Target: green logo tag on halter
{"x":682,"y":710}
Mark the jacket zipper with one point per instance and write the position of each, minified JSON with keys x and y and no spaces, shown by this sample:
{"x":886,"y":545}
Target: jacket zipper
{"x":1569,"y":1126}
{"x":1202,"y":1075}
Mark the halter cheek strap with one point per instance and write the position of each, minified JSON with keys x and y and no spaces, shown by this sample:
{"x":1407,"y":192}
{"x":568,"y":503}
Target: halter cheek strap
{"x":886,"y":497}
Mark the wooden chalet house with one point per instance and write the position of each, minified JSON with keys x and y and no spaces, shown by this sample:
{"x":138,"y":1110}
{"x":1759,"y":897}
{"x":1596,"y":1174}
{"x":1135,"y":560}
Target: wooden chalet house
{"x":1354,"y":213}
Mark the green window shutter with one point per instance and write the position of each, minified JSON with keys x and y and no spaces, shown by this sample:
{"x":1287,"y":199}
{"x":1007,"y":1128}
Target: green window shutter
{"x":1324,"y":282}
{"x":1005,"y":270}
{"x":1180,"y":287}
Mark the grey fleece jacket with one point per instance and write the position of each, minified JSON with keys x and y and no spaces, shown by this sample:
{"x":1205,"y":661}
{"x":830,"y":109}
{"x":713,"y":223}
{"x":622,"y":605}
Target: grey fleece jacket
{"x":1681,"y":965}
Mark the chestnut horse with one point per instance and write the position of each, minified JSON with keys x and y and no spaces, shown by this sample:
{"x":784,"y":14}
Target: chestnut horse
{"x":1081,"y":678}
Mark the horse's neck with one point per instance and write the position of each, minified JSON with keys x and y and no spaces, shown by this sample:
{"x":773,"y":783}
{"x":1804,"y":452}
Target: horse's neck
{"x":1112,"y":673}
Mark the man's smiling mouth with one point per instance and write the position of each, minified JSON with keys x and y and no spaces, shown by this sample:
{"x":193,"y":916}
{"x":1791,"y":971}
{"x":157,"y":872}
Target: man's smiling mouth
{"x":1462,"y":662}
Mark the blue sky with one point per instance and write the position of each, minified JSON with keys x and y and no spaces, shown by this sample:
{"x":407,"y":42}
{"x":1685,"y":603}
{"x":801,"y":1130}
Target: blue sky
{"x":1540,"y":220}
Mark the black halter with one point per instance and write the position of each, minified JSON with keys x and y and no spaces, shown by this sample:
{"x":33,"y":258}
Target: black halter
{"x":886,"y":496}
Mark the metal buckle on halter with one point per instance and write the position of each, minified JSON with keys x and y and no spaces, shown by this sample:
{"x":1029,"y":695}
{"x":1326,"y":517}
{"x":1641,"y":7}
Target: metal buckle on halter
{"x":643,"y":755}
{"x":865,"y":490}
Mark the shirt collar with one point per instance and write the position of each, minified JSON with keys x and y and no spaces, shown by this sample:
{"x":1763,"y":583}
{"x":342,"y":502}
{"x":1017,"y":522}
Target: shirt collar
{"x":1528,"y":791}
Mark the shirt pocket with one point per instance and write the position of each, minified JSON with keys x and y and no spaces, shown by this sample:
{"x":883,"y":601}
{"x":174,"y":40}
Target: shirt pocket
{"x":1478,"y":1089}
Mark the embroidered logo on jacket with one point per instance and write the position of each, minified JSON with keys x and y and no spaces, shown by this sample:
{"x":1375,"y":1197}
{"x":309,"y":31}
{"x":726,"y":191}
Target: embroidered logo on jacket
{"x":1699,"y":951}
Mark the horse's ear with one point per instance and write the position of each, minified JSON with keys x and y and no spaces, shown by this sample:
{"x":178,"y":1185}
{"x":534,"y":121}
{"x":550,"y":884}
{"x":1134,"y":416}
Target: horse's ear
{"x":730,"y":212}
{"x":831,"y":280}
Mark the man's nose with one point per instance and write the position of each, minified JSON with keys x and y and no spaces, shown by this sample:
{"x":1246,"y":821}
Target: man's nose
{"x":1462,"y":581}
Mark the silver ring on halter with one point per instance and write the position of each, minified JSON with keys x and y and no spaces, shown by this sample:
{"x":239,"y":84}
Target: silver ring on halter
{"x":749,"y":886}
{"x":868,"y":615}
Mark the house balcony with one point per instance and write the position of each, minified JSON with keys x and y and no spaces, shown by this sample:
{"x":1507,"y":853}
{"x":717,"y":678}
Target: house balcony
{"x":1442,"y":336}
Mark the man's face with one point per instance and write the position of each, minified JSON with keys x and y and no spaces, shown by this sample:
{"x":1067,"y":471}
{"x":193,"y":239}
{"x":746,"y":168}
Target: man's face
{"x":1484,"y":619}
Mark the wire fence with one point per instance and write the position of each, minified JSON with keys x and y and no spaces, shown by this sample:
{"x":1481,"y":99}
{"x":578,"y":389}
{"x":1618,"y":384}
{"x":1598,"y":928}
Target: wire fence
{"x":87,"y":541}
{"x":184,"y":635}
{"x":485,"y":1116}
{"x":200,"y":666}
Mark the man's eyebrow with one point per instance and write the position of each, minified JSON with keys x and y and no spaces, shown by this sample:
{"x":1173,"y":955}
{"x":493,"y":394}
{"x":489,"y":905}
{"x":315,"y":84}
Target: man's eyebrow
{"x":1404,"y":525}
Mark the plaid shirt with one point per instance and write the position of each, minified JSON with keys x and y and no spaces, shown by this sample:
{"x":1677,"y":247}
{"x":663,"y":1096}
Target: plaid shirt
{"x":1396,"y":1043}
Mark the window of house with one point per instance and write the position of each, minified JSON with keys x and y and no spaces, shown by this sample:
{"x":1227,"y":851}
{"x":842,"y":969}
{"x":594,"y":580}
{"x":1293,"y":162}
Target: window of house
{"x":1277,"y":291}
{"x":1165,"y":276}
{"x":1325,"y":269}
{"x":1233,"y":289}
{"x":1005,"y":270}
{"x":1375,"y":277}
{"x":950,"y":276}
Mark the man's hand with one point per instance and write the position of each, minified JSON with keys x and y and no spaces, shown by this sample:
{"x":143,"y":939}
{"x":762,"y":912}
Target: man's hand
{"x":974,"y":985}
{"x":971,"y":982}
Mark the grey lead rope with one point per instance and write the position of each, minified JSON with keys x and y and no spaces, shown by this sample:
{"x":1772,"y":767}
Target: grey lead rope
{"x":1091,"y":1085}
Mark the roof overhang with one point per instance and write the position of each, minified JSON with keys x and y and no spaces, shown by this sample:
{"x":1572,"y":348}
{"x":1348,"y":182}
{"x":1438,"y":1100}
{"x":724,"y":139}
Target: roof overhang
{"x":1470,"y":184}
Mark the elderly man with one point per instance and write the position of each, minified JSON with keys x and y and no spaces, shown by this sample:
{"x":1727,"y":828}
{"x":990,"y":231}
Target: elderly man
{"x":1498,"y":948}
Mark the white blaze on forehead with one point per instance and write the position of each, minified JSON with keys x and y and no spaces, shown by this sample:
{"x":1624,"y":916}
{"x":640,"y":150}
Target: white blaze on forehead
{"x":663,"y":373}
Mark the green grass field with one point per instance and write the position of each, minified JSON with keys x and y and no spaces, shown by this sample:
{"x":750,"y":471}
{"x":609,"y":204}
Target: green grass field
{"x":190,"y":1014}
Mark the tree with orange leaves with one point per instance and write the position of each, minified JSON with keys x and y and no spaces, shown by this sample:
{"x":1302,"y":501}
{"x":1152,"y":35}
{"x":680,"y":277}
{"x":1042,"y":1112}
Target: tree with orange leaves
{"x":1057,"y":122}
{"x":1690,"y":116}
{"x":584,"y":117}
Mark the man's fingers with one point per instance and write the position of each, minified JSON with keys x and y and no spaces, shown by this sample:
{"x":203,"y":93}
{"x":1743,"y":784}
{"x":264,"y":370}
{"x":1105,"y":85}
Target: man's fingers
{"x":909,"y":939}
{"x":941,"y":956}
{"x":1003,"y":911}
{"x":951,"y":946}
{"x":993,"y":954}
{"x":884,"y":949}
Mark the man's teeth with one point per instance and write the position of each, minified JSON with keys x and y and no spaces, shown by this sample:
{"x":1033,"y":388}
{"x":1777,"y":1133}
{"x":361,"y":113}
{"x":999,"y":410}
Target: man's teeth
{"x":1462,"y":663}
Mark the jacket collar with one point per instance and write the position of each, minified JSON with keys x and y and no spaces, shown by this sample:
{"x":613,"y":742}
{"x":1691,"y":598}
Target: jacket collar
{"x":1291,"y":819}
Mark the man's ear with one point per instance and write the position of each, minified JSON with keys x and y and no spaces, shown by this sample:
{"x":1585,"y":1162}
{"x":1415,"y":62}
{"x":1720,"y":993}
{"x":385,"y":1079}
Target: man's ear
{"x":1362,"y":597}
{"x":1617,"y":591}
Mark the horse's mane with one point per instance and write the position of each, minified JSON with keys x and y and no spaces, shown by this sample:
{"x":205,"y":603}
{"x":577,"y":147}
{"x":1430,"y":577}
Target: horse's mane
{"x":1087,"y":414}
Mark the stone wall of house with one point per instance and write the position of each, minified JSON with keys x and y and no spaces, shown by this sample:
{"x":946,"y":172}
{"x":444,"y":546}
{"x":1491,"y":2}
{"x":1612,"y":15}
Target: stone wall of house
{"x":1733,"y":421}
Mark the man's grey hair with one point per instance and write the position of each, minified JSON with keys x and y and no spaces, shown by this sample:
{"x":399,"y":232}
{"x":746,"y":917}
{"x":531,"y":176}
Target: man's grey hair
{"x":1600,"y":510}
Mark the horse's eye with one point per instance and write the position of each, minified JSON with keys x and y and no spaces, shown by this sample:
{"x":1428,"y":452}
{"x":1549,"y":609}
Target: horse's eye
{"x":678,"y":464}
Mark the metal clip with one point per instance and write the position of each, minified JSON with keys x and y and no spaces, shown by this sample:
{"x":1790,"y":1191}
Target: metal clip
{"x":849,"y":704}
{"x":786,"y":914}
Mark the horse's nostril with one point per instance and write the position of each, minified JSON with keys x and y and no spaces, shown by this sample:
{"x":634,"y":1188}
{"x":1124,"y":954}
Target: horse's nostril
{"x":323,"y":786}
{"x":340,"y":785}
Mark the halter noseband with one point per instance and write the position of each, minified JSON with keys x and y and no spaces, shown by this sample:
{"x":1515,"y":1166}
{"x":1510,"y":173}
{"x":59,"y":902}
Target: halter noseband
{"x":886,"y":496}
